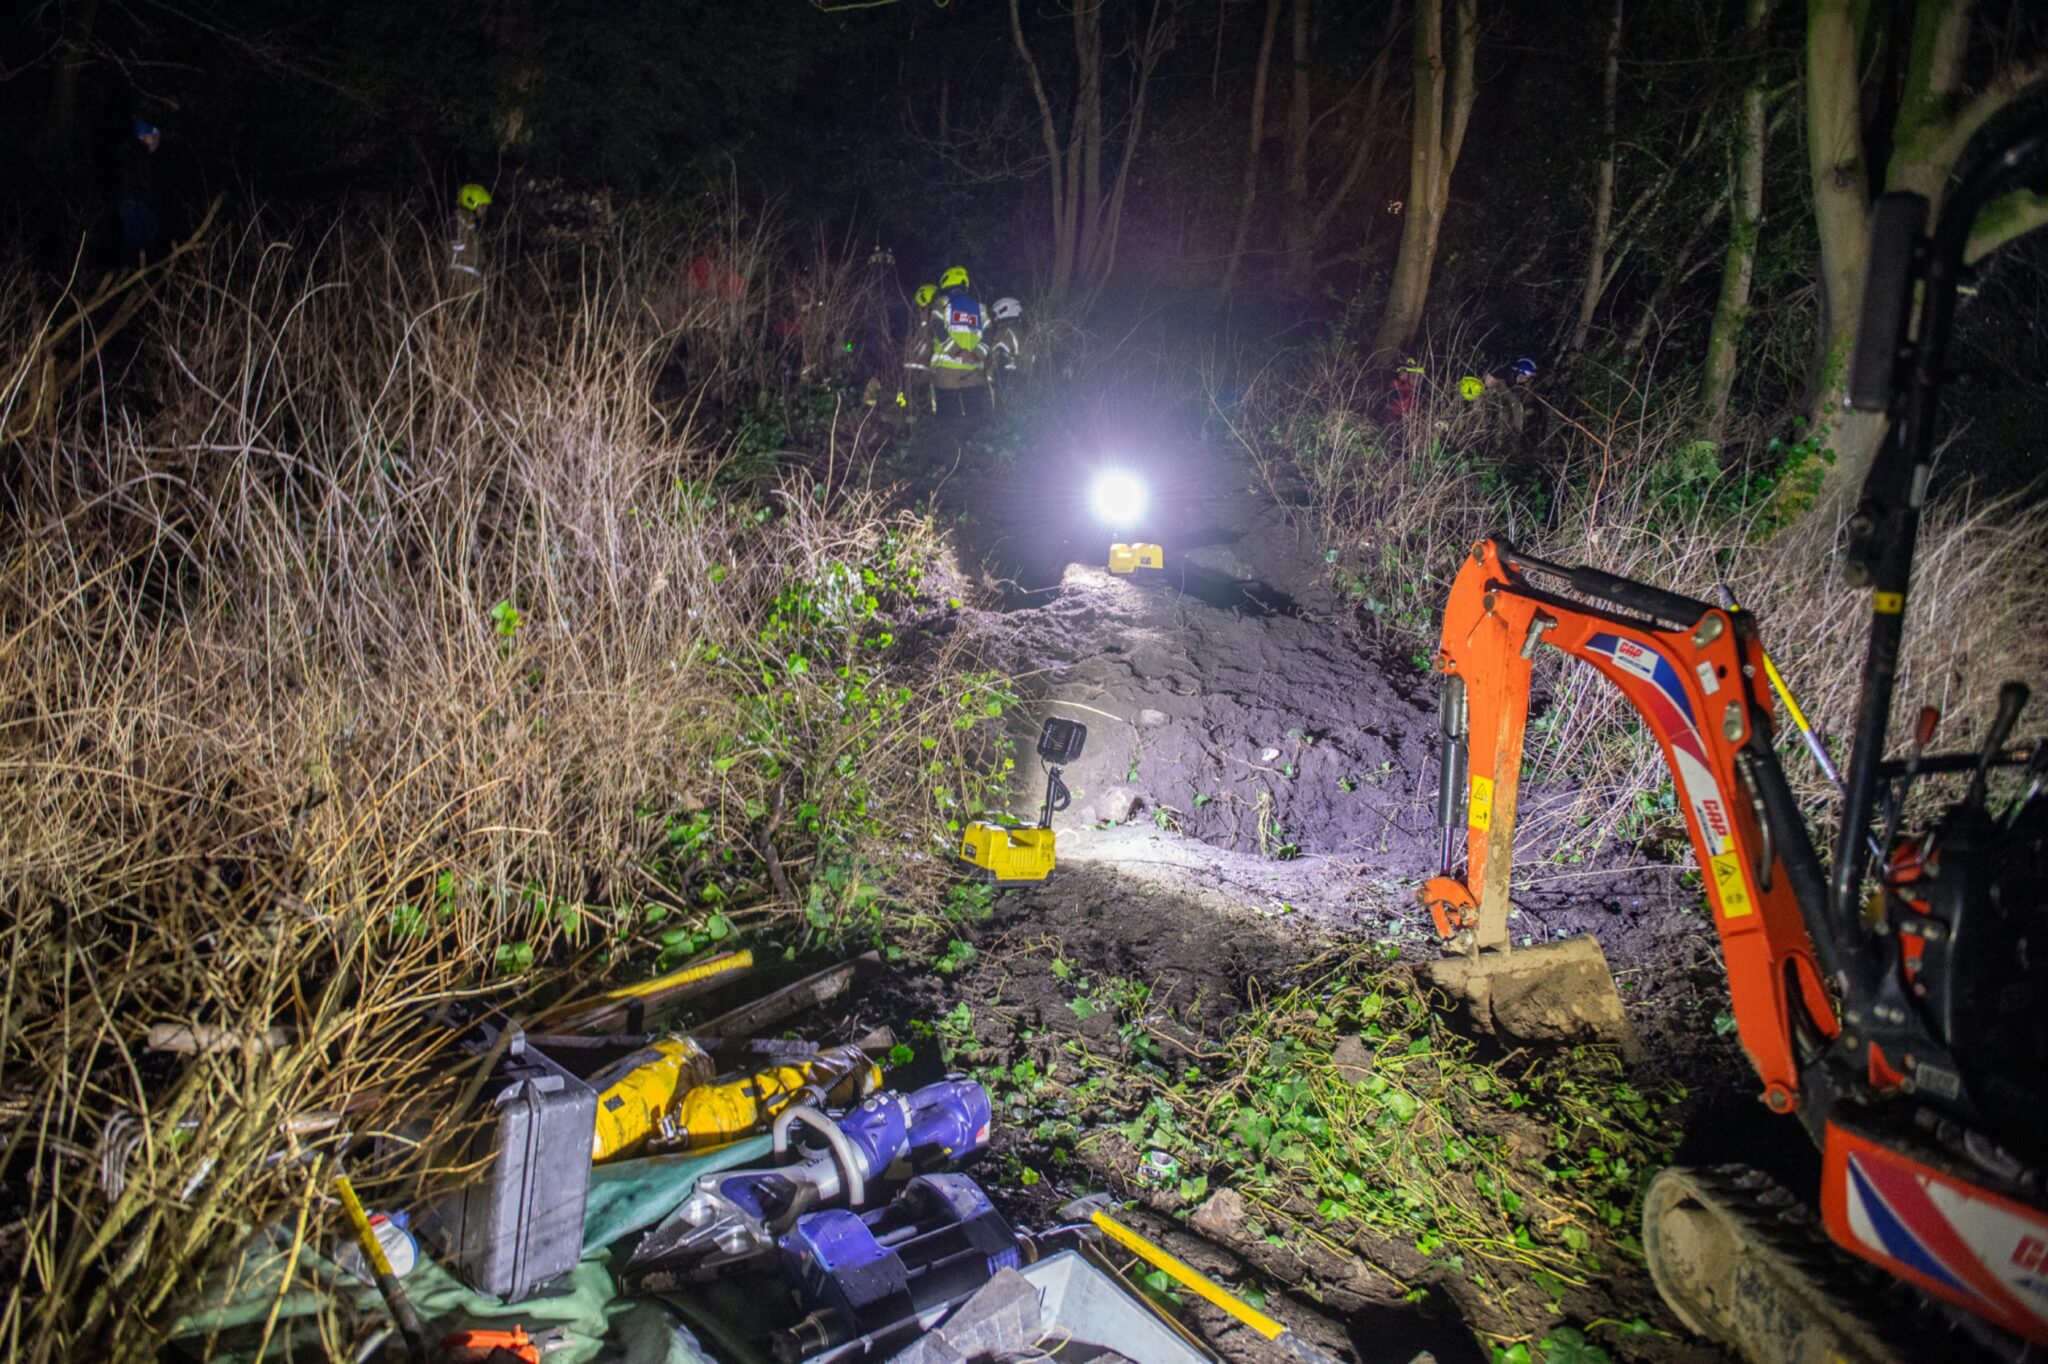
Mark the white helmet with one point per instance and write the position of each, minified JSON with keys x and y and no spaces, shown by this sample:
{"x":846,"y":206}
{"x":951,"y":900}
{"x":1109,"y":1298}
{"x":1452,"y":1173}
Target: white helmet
{"x":1006,"y":310}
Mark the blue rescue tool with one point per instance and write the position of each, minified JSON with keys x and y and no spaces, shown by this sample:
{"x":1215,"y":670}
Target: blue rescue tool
{"x":735,"y":1218}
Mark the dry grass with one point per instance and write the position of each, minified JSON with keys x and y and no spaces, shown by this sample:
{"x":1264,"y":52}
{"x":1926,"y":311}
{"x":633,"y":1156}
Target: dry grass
{"x":1631,"y":491}
{"x":363,"y":641}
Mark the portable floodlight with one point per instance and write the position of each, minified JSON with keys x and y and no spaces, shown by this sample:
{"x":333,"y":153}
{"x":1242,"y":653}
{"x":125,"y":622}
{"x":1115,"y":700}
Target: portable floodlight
{"x":1117,"y":499}
{"x":1027,"y":854}
{"x":1061,"y":741}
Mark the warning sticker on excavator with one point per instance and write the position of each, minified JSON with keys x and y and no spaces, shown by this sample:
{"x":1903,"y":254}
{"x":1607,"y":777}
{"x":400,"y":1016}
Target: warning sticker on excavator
{"x":1727,"y":870}
{"x":1482,"y":803}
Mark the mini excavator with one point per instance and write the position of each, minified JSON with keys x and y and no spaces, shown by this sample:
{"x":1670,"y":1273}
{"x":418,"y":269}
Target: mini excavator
{"x":1894,"y":1001}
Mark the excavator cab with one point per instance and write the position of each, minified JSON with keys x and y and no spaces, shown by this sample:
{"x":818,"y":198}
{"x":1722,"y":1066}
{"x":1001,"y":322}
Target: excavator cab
{"x":1894,"y":998}
{"x":1965,"y":905}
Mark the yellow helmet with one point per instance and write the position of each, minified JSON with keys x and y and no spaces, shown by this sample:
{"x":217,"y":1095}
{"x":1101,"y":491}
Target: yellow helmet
{"x":473,"y":197}
{"x":1410,"y":365}
{"x":955,"y":278}
{"x":1470,"y":387}
{"x":925,"y":294}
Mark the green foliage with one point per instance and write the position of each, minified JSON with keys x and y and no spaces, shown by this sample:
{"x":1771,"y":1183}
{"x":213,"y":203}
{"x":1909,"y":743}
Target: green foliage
{"x":1566,"y":1345}
{"x":970,"y":902}
{"x":682,"y":942}
{"x":1349,"y":1102}
{"x":833,"y":746}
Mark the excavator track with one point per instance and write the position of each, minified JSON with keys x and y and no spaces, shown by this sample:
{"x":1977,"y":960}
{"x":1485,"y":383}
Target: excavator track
{"x":1745,"y":1264}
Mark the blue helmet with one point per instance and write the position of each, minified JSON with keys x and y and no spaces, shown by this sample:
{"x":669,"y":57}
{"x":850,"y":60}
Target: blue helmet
{"x":1525,"y":367}
{"x":144,"y":128}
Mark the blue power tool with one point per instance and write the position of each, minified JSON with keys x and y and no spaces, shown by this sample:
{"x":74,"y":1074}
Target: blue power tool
{"x":735,"y":1217}
{"x":858,"y":1273}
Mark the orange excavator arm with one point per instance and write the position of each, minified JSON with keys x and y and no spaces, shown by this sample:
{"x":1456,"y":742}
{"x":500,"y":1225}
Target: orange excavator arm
{"x":1694,"y":673}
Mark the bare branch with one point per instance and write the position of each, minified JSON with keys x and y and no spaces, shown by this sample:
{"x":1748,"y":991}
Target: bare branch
{"x":2004,"y":88}
{"x":2012,"y":215}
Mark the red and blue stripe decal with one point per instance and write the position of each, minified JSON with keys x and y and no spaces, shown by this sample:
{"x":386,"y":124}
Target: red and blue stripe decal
{"x":1669,"y":710}
{"x":1890,"y":1230}
{"x":1652,"y":667}
{"x":1914,"y":1220}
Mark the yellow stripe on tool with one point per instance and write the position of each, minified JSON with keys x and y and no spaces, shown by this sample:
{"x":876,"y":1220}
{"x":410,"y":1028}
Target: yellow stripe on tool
{"x":366,"y":1235}
{"x":1784,"y":692}
{"x":717,"y":966}
{"x":1187,"y":1276}
{"x":402,"y":1314}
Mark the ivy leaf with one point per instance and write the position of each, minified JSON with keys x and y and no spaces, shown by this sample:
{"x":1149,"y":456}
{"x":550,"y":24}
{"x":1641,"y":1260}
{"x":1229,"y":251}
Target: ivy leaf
{"x":1566,"y":1345}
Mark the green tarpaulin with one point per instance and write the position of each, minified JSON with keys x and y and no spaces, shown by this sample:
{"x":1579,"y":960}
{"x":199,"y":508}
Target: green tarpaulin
{"x":229,"y":1320}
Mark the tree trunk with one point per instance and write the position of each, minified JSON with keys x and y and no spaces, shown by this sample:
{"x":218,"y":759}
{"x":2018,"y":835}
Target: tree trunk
{"x":1841,"y":199}
{"x":1148,"y":52}
{"x":1442,"y":108}
{"x":74,"y":51}
{"x":1603,"y":192}
{"x":1061,"y":282}
{"x":1929,"y":133}
{"x":1084,"y":226}
{"x":1088,"y":120}
{"x":1249,"y":195}
{"x":1745,"y":213}
{"x":1300,"y":248}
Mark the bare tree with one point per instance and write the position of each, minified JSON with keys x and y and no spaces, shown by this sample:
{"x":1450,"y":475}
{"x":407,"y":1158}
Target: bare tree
{"x":1745,"y":215}
{"x":1934,"y":123}
{"x":1300,"y":247}
{"x":1311,"y":206}
{"x":1443,"y":98}
{"x":1085,"y":220}
{"x":1248,"y":196}
{"x":1603,"y":192}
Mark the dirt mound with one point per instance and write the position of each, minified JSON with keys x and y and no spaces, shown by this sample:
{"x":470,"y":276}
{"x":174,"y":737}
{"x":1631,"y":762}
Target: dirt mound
{"x":1251,"y":730}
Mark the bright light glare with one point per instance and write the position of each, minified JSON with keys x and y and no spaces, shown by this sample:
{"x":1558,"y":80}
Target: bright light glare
{"x":1117,"y":499}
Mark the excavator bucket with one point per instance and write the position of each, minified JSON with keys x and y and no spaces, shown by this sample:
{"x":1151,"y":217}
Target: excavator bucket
{"x":1550,"y":992}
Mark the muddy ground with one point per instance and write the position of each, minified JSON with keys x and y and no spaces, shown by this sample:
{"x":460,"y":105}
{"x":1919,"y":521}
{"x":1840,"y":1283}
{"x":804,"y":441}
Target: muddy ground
{"x":1258,"y":789}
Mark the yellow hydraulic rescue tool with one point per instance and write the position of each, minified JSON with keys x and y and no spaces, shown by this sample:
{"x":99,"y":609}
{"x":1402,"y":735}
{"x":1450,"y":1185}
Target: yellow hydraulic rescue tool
{"x":665,"y":1095}
{"x":1008,"y":854}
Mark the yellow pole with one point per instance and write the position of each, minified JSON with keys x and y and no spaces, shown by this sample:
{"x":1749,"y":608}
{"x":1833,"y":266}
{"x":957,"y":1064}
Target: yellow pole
{"x":402,"y":1315}
{"x":717,"y":966}
{"x":1187,"y":1276}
